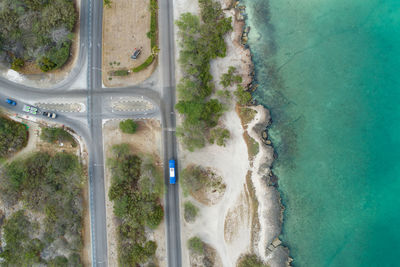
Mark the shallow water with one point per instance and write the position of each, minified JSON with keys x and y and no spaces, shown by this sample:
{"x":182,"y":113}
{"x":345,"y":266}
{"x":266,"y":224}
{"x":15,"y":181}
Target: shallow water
{"x":330,"y":73}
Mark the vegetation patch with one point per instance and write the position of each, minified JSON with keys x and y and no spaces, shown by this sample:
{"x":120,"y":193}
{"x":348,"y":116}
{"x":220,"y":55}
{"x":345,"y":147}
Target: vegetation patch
{"x":190,"y":211}
{"x":50,"y":186}
{"x":128,"y":126}
{"x":53,"y":135}
{"x":37,"y":31}
{"x":246,"y":115}
{"x":136,"y":188}
{"x":152,"y":34}
{"x":122,"y":72}
{"x":13,"y":136}
{"x":203,"y":253}
{"x":219,"y":136}
{"x":203,"y":184}
{"x":201,"y":40}
{"x":250,"y":260}
{"x":252,"y":145}
{"x":145,"y":64}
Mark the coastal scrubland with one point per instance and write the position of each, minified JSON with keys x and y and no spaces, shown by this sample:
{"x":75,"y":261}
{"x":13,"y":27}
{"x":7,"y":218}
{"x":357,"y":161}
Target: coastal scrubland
{"x":13,"y":136}
{"x":135,"y":186}
{"x":39,"y":32}
{"x":201,"y":40}
{"x":50,"y":187}
{"x":135,"y":190}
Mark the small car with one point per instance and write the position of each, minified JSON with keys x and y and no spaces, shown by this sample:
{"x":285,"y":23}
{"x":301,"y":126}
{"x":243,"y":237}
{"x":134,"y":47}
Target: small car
{"x":49,"y":114}
{"x":136,"y":53}
{"x":11,"y":102}
{"x":29,"y":109}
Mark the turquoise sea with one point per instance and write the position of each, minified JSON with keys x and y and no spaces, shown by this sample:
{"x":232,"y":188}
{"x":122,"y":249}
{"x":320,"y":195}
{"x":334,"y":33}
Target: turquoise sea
{"x":329,"y":70}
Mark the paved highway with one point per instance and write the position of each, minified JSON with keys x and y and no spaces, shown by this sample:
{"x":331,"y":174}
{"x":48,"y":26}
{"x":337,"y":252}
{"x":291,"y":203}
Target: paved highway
{"x":88,"y":124}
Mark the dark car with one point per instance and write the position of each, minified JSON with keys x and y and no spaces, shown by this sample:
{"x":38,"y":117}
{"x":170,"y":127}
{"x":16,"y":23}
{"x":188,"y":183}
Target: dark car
{"x":49,"y":114}
{"x":136,"y":53}
{"x":11,"y":102}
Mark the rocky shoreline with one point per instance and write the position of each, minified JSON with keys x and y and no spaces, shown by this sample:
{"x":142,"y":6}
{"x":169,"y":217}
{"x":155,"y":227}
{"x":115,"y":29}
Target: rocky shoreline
{"x":263,"y":178}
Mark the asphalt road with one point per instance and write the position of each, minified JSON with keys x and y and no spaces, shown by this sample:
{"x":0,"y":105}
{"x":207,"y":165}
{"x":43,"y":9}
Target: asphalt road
{"x":88,"y":124}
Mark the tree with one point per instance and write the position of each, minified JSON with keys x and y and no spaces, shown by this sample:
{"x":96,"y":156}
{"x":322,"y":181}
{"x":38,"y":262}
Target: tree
{"x":196,"y":245}
{"x":190,"y":211}
{"x":243,"y":97}
{"x":107,"y":3}
{"x":219,"y":135}
{"x":227,"y":79}
{"x":250,"y":260}
{"x":128,"y":126}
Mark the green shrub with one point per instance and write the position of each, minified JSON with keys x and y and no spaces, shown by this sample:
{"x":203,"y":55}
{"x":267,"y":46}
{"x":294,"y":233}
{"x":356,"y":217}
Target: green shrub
{"x":128,"y":126}
{"x":190,"y":211}
{"x":219,"y":135}
{"x":145,"y":64}
{"x":107,"y":3}
{"x":152,"y":34}
{"x":251,"y":260}
{"x":243,"y":96}
{"x":196,"y":245}
{"x":228,"y":79}
{"x":122,"y":72}
{"x":17,"y":64}
{"x":52,"y":135}
{"x":247,"y":115}
{"x":13,"y":136}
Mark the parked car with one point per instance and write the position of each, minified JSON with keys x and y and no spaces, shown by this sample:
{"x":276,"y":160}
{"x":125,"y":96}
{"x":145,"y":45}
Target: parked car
{"x":136,"y":53}
{"x":11,"y":102}
{"x":30,"y":109}
{"x":49,"y":114}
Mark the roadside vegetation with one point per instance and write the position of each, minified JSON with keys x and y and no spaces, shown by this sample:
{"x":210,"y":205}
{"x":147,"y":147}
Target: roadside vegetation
{"x":36,"y":31}
{"x":107,"y":3}
{"x":250,"y":260}
{"x":136,"y":188}
{"x":128,"y":126}
{"x":42,"y":186}
{"x":190,"y":211}
{"x":201,"y":40}
{"x":13,"y":136}
{"x":53,"y":135}
{"x":196,"y":178}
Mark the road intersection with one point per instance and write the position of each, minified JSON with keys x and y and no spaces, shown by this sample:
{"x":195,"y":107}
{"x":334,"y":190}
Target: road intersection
{"x":88,"y":123}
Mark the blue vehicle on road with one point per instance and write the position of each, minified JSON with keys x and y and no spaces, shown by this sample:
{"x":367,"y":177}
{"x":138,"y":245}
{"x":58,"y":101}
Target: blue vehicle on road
{"x":172,"y":178}
{"x":11,"y":102}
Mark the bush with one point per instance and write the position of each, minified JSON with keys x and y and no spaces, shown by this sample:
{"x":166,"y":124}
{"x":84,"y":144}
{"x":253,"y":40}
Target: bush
{"x":17,"y":64}
{"x":122,"y":72}
{"x":219,"y":135}
{"x":13,"y":136}
{"x":52,"y":135}
{"x":196,"y":245}
{"x":251,"y":260}
{"x":243,"y":97}
{"x":107,"y":3}
{"x":227,"y":79}
{"x":190,"y":211}
{"x":152,"y":34}
{"x":145,"y":64}
{"x":128,"y":126}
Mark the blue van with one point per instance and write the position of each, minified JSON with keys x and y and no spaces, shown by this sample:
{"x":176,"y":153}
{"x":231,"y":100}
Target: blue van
{"x":172,"y":178}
